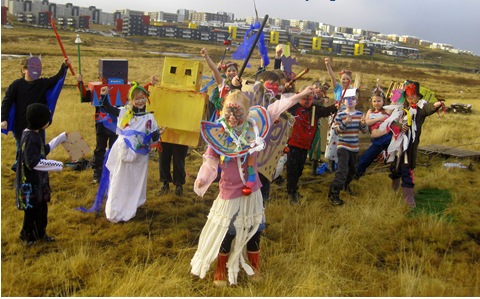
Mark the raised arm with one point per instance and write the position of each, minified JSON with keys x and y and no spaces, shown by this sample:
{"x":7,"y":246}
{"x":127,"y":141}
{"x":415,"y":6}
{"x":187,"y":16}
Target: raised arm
{"x":216,"y":73}
{"x":277,"y":108}
{"x":331,"y":73}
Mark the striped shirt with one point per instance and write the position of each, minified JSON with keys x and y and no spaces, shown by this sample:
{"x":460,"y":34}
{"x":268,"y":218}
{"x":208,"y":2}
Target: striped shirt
{"x":348,"y":134}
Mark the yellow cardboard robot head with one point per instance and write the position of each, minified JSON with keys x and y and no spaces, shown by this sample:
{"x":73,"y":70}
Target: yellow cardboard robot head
{"x":182,"y":74}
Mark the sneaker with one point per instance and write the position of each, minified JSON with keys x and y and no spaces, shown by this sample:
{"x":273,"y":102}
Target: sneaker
{"x":293,"y":197}
{"x":31,"y":244}
{"x":47,"y":238}
{"x":179,"y":191}
{"x":336,"y":201}
{"x":165,"y":189}
{"x":96,"y":177}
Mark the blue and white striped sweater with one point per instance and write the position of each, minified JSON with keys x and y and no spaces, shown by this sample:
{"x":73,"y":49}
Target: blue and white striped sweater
{"x":348,"y":134}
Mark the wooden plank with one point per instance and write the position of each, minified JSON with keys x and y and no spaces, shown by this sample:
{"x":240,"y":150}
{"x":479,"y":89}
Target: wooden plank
{"x":448,"y":151}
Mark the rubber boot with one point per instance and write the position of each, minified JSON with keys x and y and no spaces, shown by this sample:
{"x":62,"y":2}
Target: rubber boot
{"x":408,"y":196}
{"x":334,"y":196}
{"x":314,"y":167}
{"x":220,"y":279}
{"x":254,"y":259}
{"x":395,"y":184}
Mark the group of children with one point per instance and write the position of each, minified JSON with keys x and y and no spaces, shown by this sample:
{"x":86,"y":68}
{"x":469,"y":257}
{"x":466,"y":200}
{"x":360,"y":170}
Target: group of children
{"x":236,"y":219}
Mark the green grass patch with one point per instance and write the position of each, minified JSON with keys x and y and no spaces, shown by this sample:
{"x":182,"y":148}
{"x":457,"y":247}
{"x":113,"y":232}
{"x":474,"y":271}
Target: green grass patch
{"x":432,"y":202}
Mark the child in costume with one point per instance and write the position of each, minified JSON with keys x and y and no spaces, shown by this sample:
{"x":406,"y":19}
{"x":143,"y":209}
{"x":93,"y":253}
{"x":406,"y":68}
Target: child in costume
{"x":128,"y":158}
{"x":223,"y":81}
{"x":237,"y":213}
{"x":374,"y":118}
{"x":319,"y":99}
{"x":338,"y":88}
{"x":28,"y":90}
{"x":31,"y":182}
{"x":103,"y":135}
{"x":347,"y":125}
{"x":301,"y":140}
{"x":410,"y":110}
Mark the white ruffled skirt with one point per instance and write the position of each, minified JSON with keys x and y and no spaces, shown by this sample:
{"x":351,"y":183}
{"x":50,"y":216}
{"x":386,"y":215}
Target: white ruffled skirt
{"x":250,"y":214}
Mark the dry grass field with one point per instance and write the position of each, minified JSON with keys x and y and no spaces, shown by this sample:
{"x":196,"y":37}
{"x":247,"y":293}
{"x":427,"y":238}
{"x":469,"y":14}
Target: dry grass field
{"x":372,"y":246}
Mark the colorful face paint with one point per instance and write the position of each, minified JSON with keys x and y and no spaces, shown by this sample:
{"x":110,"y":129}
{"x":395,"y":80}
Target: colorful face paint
{"x":272,"y":87}
{"x":140,"y":100}
{"x":34,"y":68}
{"x":234,"y":114}
{"x":306,"y":102}
{"x":350,"y":102}
{"x":231,"y":71}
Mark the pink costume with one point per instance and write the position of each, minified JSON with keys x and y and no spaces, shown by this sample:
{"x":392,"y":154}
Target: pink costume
{"x":230,"y":202}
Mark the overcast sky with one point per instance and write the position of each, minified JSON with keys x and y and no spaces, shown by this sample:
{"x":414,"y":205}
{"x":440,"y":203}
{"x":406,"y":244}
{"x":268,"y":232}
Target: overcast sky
{"x":443,"y":21}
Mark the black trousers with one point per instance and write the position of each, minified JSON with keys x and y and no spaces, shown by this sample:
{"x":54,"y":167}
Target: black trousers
{"x":265,"y":189}
{"x":295,"y":163}
{"x":346,"y":169}
{"x":35,"y":223}
{"x":252,"y":245}
{"x":99,"y":153}
{"x":178,"y":152}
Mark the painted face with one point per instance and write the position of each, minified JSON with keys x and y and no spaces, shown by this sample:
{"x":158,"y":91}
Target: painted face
{"x":319,"y":92}
{"x":234,"y":114}
{"x":273,"y":87}
{"x":140,"y":100}
{"x":307,"y":102}
{"x":411,"y":94}
{"x":34,"y":68}
{"x":377,"y":103}
{"x":231,"y":71}
{"x":350,"y":102}
{"x":344,"y":80}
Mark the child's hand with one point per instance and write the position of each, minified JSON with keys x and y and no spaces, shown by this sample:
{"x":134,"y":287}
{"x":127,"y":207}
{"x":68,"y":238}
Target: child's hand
{"x":236,"y":81}
{"x":67,"y":61}
{"x":363,"y":121}
{"x":4,"y":125}
{"x":327,"y":61}
{"x":161,"y":130}
{"x":338,"y":105}
{"x":199,"y":183}
{"x":104,"y":90}
{"x":404,"y":128}
{"x":348,"y":119}
{"x":153,"y":80}
{"x":204,"y":53}
{"x":279,"y":53}
{"x":79,"y":78}
{"x":307,"y":91}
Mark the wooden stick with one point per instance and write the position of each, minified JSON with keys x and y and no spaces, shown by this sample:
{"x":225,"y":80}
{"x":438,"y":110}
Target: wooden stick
{"x":313,"y":116}
{"x":61,"y":45}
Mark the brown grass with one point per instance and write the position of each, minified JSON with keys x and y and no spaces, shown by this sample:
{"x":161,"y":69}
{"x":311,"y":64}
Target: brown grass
{"x":372,"y":246}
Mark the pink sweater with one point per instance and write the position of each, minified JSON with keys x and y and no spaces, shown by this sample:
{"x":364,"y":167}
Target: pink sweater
{"x":231,"y":184}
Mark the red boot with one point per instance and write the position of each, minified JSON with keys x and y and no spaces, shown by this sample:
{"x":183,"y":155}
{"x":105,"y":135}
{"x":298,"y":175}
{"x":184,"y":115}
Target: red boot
{"x":254,"y":259}
{"x":220,"y":279}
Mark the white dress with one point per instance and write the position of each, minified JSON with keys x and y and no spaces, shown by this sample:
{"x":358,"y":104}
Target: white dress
{"x":128,"y":170}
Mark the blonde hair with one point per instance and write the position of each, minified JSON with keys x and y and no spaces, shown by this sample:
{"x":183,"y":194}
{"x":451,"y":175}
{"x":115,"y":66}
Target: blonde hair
{"x":23,"y":66}
{"x":237,"y":97}
{"x":133,"y":91}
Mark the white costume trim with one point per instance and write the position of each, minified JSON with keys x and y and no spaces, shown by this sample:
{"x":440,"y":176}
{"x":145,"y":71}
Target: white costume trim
{"x":216,"y":228}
